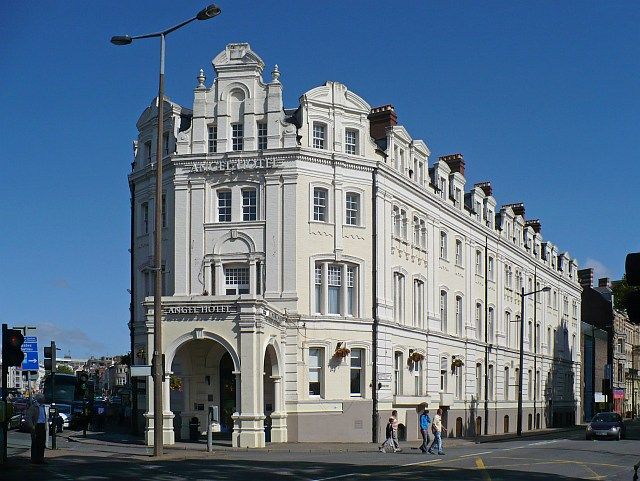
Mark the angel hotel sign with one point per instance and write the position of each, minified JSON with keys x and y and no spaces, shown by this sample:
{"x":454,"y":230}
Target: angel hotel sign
{"x":200,"y":309}
{"x":232,"y":164}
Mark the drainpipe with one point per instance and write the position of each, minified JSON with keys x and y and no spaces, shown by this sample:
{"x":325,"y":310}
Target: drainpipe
{"x":375,"y":416}
{"x":132,"y":380}
{"x":486,"y":338}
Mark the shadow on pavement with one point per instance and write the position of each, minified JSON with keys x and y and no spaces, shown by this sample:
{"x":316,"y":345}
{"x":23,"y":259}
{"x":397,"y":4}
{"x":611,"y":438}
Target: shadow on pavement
{"x":221,"y":469}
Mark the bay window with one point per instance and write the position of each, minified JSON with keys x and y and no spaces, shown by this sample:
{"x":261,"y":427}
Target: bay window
{"x":335,"y":289}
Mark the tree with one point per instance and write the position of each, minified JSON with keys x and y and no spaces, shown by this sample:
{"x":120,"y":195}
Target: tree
{"x":64,"y":369}
{"x":620,"y":290}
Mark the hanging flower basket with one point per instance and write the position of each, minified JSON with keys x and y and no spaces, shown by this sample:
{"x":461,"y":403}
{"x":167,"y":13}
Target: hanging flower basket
{"x":175,"y":383}
{"x":342,"y":352}
{"x":416,"y":356}
{"x":456,"y":363}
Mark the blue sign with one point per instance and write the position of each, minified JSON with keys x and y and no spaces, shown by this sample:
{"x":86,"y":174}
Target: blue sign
{"x":30,"y":349}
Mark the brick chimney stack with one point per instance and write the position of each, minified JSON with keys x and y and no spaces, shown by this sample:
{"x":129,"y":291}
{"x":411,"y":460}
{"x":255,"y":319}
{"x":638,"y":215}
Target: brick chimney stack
{"x":585,"y":277}
{"x":517,"y":208}
{"x":486,"y":188}
{"x":379,"y":119}
{"x":604,"y":282}
{"x":534,"y":224}
{"x":454,"y":161}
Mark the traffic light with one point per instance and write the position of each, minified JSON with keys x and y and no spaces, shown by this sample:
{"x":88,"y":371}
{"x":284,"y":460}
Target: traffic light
{"x":632,"y":301}
{"x":12,"y":340}
{"x":82,"y":384}
{"x":50,"y":358}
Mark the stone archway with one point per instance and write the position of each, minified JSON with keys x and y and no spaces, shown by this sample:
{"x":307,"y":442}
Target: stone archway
{"x":272,"y":398}
{"x":204,"y":370}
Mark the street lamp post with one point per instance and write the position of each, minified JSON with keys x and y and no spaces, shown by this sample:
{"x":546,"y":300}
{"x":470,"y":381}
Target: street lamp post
{"x":204,"y":14}
{"x":520,"y":373}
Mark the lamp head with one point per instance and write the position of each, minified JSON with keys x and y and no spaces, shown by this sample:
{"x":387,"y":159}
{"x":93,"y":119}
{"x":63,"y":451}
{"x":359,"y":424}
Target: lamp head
{"x":121,"y":40}
{"x":546,"y":289}
{"x":208,"y":12}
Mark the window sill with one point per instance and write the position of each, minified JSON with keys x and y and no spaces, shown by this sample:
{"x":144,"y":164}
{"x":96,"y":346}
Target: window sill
{"x":321,"y":222}
{"x":354,"y":226}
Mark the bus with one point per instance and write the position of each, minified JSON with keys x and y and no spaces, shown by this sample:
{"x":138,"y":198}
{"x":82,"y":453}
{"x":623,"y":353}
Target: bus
{"x":65,"y":389}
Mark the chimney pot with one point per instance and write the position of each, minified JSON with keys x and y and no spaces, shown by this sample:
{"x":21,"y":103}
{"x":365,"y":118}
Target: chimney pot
{"x":486,"y":188}
{"x":454,"y":161}
{"x":379,"y":119}
{"x":604,"y":282}
{"x":585,"y":277}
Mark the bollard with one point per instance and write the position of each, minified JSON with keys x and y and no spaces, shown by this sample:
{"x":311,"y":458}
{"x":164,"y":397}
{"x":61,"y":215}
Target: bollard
{"x":210,"y":429}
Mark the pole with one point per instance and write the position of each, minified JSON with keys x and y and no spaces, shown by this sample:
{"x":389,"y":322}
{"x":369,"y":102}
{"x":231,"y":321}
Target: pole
{"x":519,"y":432}
{"x":52,"y":426}
{"x":157,"y":295}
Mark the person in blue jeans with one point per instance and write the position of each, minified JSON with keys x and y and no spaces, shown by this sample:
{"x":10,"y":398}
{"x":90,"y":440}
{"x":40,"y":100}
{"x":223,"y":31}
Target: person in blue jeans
{"x":425,"y":421}
{"x":437,"y":433}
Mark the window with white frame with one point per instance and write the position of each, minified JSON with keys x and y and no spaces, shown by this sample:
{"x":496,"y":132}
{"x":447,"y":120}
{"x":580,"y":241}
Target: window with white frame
{"x":490,"y":269}
{"x":423,"y":234}
{"x":352,"y":207}
{"x":538,"y":385}
{"x":508,"y":278}
{"x":165,"y":143}
{"x":516,"y":335}
{"x":420,"y":174}
{"x":163,"y":213}
{"x":398,"y":296}
{"x":320,"y":196}
{"x":416,"y":369}
{"x":402,"y":164}
{"x":506,"y":384}
{"x":507,"y":322}
{"x":396,"y":221}
{"x":334,"y":274}
{"x":249,"y":204}
{"x":416,"y":231}
{"x":478,"y":210}
{"x":517,"y":379}
{"x":549,"y":340}
{"x":478,"y":381}
{"x":351,"y":142}
{"x":237,"y":137}
{"x":224,"y":206}
{"x":459,"y":321}
{"x":530,"y":385}
{"x":443,"y":187}
{"x":478,"y":262}
{"x":458,"y":379}
{"x":147,"y":151}
{"x":351,"y":291}
{"x":444,"y":367}
{"x":418,"y":302}
{"x":316,"y":360}
{"x":318,"y":288}
{"x":491,"y":324}
{"x":319,"y":135}
{"x":397,"y":371}
{"x":335,"y":288}
{"x":212,"y":138}
{"x":530,"y":335}
{"x":457,"y":196}
{"x":356,"y":372}
{"x":145,"y":217}
{"x":479,"y":330}
{"x":490,"y":382}
{"x":443,"y":245}
{"x":236,"y":280}
{"x":262,"y":135}
{"x":403,"y":215}
{"x":537,"y":340}
{"x":443,"y":310}
{"x":459,"y":253}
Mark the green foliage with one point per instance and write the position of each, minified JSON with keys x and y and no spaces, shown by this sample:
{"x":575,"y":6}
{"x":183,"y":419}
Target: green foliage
{"x":64,"y":369}
{"x":620,"y":290}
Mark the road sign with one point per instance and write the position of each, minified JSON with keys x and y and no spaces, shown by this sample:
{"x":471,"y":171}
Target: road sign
{"x":30,"y":349}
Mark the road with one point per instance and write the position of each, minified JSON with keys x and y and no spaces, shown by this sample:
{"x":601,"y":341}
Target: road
{"x":562,"y":456}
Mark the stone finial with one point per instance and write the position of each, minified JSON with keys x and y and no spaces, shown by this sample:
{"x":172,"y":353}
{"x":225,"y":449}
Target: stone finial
{"x":201,"y":78}
{"x":275,"y":75}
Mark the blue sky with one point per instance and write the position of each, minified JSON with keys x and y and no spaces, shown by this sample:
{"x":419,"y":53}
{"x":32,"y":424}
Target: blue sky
{"x":540,"y":97}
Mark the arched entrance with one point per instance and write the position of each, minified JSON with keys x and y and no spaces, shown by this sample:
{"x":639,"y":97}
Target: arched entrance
{"x":202,"y":378}
{"x":275,"y":423}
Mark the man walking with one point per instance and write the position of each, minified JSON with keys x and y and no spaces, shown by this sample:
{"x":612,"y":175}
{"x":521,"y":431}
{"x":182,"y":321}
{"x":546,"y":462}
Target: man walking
{"x":425,"y":421}
{"x":437,"y":433}
{"x":36,"y":420}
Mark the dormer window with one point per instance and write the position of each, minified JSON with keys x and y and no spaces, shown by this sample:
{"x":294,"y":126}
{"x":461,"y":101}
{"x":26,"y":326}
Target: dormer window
{"x":458,"y":197}
{"x":478,"y":211}
{"x":443,"y":187}
{"x":319,"y":135}
{"x":147,"y":151}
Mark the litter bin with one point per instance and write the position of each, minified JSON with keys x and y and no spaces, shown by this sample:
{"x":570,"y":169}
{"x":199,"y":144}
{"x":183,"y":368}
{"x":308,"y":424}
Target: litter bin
{"x":194,"y":429}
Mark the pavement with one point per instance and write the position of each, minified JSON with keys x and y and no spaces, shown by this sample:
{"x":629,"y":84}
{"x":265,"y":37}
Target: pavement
{"x":558,"y":455}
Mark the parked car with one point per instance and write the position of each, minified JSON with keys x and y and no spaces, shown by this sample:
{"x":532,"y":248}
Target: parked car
{"x":606,"y":425}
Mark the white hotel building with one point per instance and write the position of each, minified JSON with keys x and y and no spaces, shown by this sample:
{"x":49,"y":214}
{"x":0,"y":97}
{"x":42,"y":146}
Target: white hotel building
{"x":321,"y":271}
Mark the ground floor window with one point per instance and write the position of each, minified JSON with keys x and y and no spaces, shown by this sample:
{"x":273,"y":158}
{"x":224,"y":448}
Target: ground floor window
{"x":315,"y":371}
{"x":357,"y":364}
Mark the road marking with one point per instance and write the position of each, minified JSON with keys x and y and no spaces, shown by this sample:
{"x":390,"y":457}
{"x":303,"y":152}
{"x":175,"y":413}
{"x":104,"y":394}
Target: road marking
{"x":429,"y":461}
{"x":483,"y":469}
{"x":475,"y":454}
